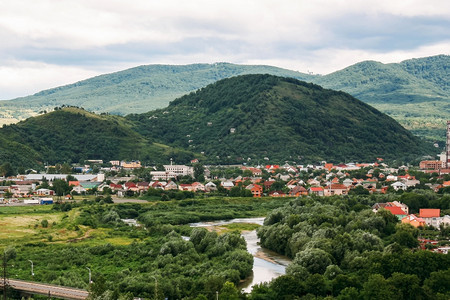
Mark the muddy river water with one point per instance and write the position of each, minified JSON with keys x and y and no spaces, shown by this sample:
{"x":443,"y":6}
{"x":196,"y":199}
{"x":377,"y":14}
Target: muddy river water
{"x":267,"y":264}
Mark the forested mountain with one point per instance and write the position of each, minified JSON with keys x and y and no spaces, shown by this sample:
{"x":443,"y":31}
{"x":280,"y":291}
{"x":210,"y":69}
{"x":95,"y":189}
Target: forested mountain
{"x":264,"y":116}
{"x":415,"y":92}
{"x":135,"y":90}
{"x":74,"y":135}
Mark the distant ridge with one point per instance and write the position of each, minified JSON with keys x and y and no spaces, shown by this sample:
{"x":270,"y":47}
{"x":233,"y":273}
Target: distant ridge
{"x":415,"y":92}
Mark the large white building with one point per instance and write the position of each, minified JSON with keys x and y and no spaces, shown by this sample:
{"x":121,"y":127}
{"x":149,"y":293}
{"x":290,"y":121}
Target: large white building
{"x":180,"y":170}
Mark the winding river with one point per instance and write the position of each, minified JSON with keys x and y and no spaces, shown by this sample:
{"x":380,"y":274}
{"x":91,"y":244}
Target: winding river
{"x":267,"y":264}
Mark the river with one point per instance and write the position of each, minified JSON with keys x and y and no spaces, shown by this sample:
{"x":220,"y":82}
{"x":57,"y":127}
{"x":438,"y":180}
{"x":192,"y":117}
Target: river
{"x":267,"y":264}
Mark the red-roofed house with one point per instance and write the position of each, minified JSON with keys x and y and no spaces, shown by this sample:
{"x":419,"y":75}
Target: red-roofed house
{"x":131,"y":186}
{"x":432,"y":216}
{"x":268,"y":184}
{"x":335,"y":189}
{"x":256,"y":171}
{"x":396,"y":211}
{"x":186,"y":187}
{"x":298,"y":191}
{"x":316,"y":190}
{"x":115,"y":187}
{"x":414,"y":221}
{"x":256,"y":190}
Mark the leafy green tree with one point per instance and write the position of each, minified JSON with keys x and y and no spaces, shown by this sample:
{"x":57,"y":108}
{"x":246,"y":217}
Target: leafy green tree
{"x":314,"y":260}
{"x":6,"y":170}
{"x":229,"y":292}
{"x":61,"y":187}
{"x":406,"y":285}
{"x":438,"y":282}
{"x":377,"y":288}
{"x":406,"y":236}
{"x":199,"y":172}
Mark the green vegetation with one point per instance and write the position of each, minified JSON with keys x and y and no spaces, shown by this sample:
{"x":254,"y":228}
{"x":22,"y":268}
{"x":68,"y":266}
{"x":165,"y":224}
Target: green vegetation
{"x":414,"y":92}
{"x":127,"y":260}
{"x":258,"y":116}
{"x":251,"y":116}
{"x":74,"y":135}
{"x":342,"y":249}
{"x":134,"y":90}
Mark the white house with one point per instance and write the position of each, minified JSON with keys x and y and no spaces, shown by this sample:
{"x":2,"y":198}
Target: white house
{"x":399,"y":186}
{"x":210,"y":187}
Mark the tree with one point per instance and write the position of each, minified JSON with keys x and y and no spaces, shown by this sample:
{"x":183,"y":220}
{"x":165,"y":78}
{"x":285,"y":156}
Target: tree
{"x":6,"y":170}
{"x":199,"y":172}
{"x":61,"y":187}
{"x":314,"y":260}
{"x":377,"y":288}
{"x":229,"y":292}
{"x":438,"y":282}
{"x":407,"y":285}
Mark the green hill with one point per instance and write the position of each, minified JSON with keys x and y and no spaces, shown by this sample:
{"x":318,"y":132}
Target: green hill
{"x":135,"y":90}
{"x":415,"y":92}
{"x":74,"y":135}
{"x":264,"y":116}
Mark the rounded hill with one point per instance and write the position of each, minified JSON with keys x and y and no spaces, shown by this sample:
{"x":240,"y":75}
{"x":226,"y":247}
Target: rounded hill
{"x":276,"y":118}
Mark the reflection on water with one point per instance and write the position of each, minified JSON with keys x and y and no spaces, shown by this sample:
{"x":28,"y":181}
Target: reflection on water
{"x":267,"y":264}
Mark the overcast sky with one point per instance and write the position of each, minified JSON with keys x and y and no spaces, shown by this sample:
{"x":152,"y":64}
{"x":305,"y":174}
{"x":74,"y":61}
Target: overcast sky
{"x":48,"y":43}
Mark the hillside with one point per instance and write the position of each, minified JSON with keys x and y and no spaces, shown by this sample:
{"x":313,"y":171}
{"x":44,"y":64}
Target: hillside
{"x":414,"y":92}
{"x":74,"y":135}
{"x":264,"y":116}
{"x":135,"y":90}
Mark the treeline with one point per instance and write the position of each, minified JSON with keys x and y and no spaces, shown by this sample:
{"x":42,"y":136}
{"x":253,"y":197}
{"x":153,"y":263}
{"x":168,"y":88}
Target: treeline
{"x":344,"y":251}
{"x":150,"y":262}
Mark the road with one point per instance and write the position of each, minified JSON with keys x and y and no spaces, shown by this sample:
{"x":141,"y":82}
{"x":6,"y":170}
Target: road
{"x":44,"y":289}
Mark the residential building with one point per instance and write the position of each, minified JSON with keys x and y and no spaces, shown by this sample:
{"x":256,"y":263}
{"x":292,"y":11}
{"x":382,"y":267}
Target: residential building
{"x":432,"y":216}
{"x":396,"y":211}
{"x":335,"y":189}
{"x":413,"y":220}
{"x":180,"y":170}
{"x":316,"y":190}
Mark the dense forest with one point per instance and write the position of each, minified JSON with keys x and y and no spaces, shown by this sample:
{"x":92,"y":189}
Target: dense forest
{"x":264,"y":116}
{"x":343,"y":250}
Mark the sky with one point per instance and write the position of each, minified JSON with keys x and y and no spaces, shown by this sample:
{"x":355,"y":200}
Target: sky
{"x":49,"y":43}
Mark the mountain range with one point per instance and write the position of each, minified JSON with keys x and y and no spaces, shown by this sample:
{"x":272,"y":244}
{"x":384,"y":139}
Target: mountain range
{"x":415,"y":92}
{"x":256,"y":117}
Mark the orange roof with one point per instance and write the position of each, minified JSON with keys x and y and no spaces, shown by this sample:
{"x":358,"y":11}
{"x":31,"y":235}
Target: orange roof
{"x":74,"y":183}
{"x":316,"y":188}
{"x":395,"y":210}
{"x":337,"y":186}
{"x":446,"y":183}
{"x":429,"y":212}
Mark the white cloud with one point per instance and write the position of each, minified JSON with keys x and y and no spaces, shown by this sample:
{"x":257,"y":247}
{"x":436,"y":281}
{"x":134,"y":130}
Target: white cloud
{"x":25,"y":78}
{"x":83,"y":37}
